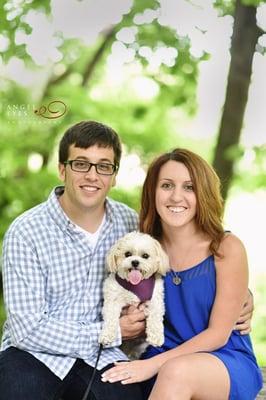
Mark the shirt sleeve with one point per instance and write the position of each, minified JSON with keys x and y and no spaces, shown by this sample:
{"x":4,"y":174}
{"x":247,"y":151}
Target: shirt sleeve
{"x":30,"y":322}
{"x":132,"y":220}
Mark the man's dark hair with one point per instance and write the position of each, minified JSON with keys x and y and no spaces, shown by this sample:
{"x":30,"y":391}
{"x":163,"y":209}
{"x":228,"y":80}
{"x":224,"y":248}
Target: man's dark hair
{"x":90,"y":133}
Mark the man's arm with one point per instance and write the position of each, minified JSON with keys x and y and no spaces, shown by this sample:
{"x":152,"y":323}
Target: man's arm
{"x":31,"y":322}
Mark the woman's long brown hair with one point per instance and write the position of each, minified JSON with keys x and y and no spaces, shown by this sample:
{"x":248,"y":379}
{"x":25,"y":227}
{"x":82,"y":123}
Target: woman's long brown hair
{"x":206,"y":186}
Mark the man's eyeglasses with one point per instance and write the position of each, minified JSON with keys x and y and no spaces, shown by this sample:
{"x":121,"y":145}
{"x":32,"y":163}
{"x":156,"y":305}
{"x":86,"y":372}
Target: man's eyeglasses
{"x":85,"y":166}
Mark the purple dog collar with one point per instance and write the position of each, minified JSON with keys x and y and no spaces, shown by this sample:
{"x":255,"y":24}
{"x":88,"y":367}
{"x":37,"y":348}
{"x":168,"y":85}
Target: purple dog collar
{"x":143,"y":289}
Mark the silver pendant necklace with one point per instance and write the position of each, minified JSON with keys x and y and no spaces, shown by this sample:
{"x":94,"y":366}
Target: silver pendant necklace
{"x":176,"y":278}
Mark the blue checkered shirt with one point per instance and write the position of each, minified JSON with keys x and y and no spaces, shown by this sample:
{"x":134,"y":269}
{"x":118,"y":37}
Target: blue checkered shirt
{"x":53,"y":285}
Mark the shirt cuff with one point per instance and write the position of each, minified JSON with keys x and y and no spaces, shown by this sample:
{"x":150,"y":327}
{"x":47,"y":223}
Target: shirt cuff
{"x":88,"y":339}
{"x":118,"y":341}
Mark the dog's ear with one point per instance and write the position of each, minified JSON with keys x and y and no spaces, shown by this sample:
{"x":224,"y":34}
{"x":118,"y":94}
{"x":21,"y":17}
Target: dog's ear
{"x":112,"y":256}
{"x":162,"y":259}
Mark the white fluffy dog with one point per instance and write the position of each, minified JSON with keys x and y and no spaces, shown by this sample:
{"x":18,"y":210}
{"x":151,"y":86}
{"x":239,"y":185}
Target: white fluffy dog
{"x":136,"y":263}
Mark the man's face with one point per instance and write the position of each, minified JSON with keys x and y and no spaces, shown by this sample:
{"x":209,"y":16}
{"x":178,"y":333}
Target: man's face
{"x":86,"y":191}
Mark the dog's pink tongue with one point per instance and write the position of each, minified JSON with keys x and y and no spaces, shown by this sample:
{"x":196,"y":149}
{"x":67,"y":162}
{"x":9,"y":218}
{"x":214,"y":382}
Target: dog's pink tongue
{"x":134,"y":277}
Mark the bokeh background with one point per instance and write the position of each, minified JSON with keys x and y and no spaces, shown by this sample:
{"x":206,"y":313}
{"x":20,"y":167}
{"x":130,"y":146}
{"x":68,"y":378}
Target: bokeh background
{"x":163,"y":73}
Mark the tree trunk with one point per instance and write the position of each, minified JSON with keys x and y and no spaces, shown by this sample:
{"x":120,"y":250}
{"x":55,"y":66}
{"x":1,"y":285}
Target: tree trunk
{"x":244,"y":40}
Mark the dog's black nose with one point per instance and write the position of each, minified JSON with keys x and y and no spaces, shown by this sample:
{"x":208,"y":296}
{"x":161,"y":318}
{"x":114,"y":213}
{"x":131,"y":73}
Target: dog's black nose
{"x":134,"y":263}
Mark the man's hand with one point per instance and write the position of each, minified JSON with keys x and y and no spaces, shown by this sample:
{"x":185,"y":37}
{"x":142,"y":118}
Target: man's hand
{"x":132,"y":322}
{"x":243,"y":323}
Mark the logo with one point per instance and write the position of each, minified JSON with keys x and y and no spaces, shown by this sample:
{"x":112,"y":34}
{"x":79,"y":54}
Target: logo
{"x":55,"y":109}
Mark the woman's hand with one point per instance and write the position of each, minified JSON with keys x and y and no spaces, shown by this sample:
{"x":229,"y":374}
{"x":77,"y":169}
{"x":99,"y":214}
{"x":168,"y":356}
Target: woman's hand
{"x":131,"y":372}
{"x":243,"y":323}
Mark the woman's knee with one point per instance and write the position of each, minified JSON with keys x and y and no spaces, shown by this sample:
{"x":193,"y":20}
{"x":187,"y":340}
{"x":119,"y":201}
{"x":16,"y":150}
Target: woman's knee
{"x":173,"y":380}
{"x":195,"y":375}
{"x":176,"y":368}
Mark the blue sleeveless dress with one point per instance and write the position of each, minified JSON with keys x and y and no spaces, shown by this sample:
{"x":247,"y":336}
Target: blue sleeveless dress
{"x":188,"y":306}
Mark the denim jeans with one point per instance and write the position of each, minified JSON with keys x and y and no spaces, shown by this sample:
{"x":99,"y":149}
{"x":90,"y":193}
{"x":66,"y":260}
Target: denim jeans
{"x":23,"y":377}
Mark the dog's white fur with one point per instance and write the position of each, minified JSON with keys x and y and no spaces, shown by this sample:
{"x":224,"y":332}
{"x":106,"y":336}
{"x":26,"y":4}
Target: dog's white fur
{"x":119,"y":261}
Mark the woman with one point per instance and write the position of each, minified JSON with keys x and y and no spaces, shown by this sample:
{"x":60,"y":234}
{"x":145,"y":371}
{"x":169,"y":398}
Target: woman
{"x":203,"y":357}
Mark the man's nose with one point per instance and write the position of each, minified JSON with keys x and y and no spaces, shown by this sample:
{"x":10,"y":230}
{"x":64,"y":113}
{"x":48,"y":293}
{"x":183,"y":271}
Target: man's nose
{"x":92,"y":173}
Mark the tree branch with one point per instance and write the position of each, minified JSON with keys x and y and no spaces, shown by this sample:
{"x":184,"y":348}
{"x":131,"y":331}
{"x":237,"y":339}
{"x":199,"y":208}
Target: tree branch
{"x":97,"y":56}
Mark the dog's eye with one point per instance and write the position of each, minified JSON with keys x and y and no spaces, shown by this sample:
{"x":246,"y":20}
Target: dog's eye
{"x":128,"y":254}
{"x":145,"y":255}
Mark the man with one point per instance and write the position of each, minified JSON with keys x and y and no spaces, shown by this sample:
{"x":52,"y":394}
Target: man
{"x":53,"y":270}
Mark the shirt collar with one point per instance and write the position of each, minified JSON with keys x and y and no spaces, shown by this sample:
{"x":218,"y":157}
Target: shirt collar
{"x":61,"y":218}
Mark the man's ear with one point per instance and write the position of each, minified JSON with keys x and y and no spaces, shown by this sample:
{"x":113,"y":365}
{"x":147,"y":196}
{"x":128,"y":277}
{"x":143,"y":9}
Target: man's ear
{"x":114,"y":181}
{"x":62,"y":172}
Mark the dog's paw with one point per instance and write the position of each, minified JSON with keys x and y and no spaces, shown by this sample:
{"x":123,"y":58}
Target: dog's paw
{"x":105,"y":338}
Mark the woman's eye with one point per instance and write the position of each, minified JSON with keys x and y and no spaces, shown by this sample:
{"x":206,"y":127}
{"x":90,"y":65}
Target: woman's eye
{"x":128,"y":254}
{"x":167,"y":185}
{"x":145,"y":255}
{"x":189,"y":188}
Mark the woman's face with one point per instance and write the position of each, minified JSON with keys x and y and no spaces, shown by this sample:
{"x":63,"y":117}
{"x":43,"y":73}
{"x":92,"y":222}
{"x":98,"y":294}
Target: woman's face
{"x":175,"y":197}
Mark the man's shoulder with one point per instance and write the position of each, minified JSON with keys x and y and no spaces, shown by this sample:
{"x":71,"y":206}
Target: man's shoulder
{"x":122,"y":209}
{"x":23,"y":224}
{"x":123,"y":214}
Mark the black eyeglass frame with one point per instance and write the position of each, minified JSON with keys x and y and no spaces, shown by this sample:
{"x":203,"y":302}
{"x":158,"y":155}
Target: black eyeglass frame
{"x":90,"y":164}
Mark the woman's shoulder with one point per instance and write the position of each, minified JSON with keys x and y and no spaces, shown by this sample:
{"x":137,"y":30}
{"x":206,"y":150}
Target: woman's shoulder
{"x":231,"y":245}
